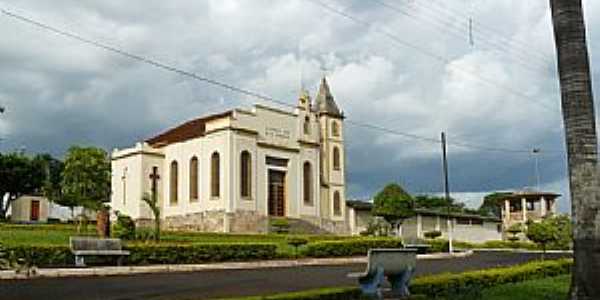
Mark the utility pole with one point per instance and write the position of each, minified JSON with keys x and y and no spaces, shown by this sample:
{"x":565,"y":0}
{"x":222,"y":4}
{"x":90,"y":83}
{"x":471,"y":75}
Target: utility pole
{"x":536,"y":152}
{"x":447,"y":191}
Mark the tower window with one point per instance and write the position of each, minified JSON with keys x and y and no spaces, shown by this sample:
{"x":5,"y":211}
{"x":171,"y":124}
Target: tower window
{"x":307,"y":125}
{"x":335,"y":129}
{"x":336,"y":158}
{"x":337,"y":204}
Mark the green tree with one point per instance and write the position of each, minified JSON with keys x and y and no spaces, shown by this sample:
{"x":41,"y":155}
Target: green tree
{"x":490,"y":206}
{"x":19,"y":175}
{"x":542,"y":233}
{"x":152,"y":201}
{"x":394,"y":204}
{"x":86,"y":177}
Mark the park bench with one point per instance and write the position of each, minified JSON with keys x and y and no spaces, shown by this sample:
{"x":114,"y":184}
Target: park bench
{"x":421,"y":248}
{"x":398,"y":265}
{"x":86,"y":246}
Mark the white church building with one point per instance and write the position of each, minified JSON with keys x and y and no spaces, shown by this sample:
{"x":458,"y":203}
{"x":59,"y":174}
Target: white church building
{"x":234,"y":171}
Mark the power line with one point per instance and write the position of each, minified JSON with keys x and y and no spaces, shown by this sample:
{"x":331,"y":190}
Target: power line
{"x":520,"y":58}
{"x":230,"y":86}
{"x":434,"y":55}
{"x":485,"y":30}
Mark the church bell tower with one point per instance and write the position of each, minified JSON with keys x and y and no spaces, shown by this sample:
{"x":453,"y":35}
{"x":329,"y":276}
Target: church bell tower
{"x":332,"y":166}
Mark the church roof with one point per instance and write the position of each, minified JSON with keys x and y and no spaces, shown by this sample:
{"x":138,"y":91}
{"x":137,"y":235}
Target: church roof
{"x":324,"y":102}
{"x":188,"y":130}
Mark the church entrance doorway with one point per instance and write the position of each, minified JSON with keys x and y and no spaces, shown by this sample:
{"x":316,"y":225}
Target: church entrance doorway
{"x":276,"y":197}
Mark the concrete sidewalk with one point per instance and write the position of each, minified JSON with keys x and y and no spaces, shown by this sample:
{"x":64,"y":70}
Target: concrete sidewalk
{"x":132,"y":270}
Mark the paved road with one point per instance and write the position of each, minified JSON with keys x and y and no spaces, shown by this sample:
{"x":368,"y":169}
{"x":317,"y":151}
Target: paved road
{"x":227,"y":283}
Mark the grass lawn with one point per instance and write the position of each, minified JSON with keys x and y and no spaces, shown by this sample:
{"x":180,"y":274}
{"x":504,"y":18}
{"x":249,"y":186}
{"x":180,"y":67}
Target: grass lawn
{"x":543,"y":289}
{"x":58,"y":234}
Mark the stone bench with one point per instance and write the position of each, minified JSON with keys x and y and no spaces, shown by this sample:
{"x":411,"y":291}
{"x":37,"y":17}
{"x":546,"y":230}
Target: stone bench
{"x":420,"y":248}
{"x":398,"y":265}
{"x":85,"y":246}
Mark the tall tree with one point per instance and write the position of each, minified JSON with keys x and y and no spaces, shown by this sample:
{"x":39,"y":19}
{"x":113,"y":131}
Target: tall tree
{"x":86,"y":177}
{"x":582,"y":151}
{"x":490,"y":205}
{"x":19,"y":175}
{"x":394,"y":204}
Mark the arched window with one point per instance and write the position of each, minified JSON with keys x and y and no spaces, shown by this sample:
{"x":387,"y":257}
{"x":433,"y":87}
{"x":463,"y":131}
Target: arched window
{"x":335,"y":129}
{"x":307,"y":183}
{"x":245,"y":174}
{"x":336,"y":158}
{"x":194,"y":179}
{"x":174,"y":183}
{"x":215,"y":175}
{"x":337,"y":204}
{"x":307,"y":125}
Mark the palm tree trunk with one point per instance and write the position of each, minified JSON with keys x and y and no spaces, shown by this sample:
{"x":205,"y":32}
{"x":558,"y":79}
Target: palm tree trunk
{"x":582,"y":149}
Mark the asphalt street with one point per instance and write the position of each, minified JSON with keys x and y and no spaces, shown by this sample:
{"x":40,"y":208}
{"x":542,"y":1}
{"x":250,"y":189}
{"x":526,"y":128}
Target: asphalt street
{"x":229,"y":283}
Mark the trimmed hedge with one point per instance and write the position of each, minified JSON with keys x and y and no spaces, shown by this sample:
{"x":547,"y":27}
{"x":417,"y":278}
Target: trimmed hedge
{"x":440,"y":245}
{"x":348,"y":247}
{"x":443,"y":285}
{"x":199,"y":253}
{"x":141,"y":254}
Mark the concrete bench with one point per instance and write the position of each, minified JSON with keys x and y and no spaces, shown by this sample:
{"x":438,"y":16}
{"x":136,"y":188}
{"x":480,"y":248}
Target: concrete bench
{"x":398,"y":265}
{"x":421,"y":248}
{"x":84,"y":246}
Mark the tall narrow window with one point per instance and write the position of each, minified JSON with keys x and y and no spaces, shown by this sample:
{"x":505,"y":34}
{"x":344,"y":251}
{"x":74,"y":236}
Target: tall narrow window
{"x":307,"y":183}
{"x":335,"y":129}
{"x":307,"y":125}
{"x":215,"y":175}
{"x":174,"y":184}
{"x":194,"y":179}
{"x":336,"y":158}
{"x":337,"y":204}
{"x":245,"y":174}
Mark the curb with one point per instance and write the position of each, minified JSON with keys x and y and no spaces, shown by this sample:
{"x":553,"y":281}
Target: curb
{"x":133,"y":270}
{"x":517,"y":250}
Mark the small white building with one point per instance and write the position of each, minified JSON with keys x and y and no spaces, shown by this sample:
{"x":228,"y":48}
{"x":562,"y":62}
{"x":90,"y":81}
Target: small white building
{"x":232,"y":171}
{"x":466,"y":227}
{"x":30,"y":209}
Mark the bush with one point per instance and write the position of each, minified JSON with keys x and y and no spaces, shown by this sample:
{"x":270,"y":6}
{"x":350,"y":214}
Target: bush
{"x":432,"y":234}
{"x":444,"y":285}
{"x":280,"y":225}
{"x":124,"y":227}
{"x":349,"y":247}
{"x":142,"y":254}
{"x":57,"y":256}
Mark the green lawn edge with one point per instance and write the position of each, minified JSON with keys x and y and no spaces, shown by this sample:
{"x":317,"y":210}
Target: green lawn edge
{"x":442,"y":286}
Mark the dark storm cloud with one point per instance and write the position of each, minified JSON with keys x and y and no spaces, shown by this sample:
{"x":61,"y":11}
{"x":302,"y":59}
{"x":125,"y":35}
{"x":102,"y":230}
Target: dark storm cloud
{"x":59,"y":92}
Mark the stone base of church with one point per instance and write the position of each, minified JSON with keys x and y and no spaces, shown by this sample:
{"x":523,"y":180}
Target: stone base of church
{"x":244,"y":222}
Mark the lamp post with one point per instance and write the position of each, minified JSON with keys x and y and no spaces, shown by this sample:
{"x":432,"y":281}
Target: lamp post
{"x":536,"y":152}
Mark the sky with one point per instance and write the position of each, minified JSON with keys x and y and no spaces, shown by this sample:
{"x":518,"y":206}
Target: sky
{"x":411,"y":66}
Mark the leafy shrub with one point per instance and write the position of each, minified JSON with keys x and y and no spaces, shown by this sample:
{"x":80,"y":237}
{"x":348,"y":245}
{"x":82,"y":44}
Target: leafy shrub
{"x":124,"y":227}
{"x":198,"y":253}
{"x":466,"y":285}
{"x":432,"y":234}
{"x":444,"y":285}
{"x":54,"y":256}
{"x":349,"y":247}
{"x":42,"y":256}
{"x":296,"y":242}
{"x":280,"y":225}
{"x":377,"y":226}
